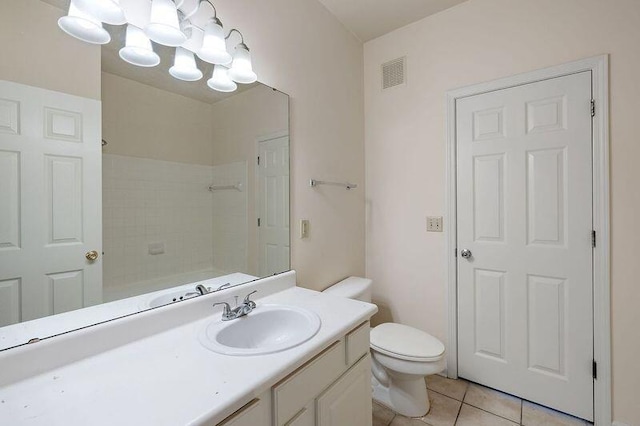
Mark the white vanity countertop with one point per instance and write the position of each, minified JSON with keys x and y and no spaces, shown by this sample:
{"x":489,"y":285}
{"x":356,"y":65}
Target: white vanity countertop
{"x":169,"y":378}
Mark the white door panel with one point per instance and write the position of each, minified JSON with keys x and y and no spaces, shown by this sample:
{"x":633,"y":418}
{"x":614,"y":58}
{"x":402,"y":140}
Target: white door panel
{"x":51,"y":202}
{"x":273,"y":194}
{"x":525,"y":212}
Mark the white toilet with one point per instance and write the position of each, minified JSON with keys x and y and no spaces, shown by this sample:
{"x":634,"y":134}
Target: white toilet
{"x":401,"y":357}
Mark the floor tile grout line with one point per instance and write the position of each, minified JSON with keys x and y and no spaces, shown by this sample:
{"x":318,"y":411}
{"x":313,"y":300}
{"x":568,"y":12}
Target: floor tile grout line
{"x":458,"y":413}
{"x":493,"y":414}
{"x":521,"y":408}
{"x":446,"y":396}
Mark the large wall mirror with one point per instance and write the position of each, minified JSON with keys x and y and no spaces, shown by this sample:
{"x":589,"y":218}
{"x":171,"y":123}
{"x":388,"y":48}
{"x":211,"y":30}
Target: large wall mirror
{"x":113,"y":206}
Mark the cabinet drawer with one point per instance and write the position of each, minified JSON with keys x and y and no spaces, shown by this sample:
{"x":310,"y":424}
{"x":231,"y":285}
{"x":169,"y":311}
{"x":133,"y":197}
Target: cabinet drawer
{"x":357,"y":342}
{"x":294,"y":393}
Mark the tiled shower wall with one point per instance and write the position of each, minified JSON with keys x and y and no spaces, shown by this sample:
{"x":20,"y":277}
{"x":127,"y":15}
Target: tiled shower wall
{"x":230,"y":231}
{"x":148,"y":202}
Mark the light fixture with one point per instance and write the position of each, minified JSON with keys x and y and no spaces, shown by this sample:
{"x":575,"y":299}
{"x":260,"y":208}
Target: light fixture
{"x":220,"y":80}
{"x":164,"y":26}
{"x":184,"y":66}
{"x":83,"y":26}
{"x":214,"y":47}
{"x":138,"y":49}
{"x":183,"y":24}
{"x":107,"y":11}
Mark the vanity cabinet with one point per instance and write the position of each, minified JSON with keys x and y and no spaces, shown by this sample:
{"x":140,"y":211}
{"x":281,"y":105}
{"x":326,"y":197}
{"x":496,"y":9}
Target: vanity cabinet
{"x":334,"y":388}
{"x":347,"y":401}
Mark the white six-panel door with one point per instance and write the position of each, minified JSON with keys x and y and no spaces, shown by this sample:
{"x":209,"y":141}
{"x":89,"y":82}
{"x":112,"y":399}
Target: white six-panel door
{"x":273,"y":201}
{"x":524,"y":197}
{"x":50,"y":202}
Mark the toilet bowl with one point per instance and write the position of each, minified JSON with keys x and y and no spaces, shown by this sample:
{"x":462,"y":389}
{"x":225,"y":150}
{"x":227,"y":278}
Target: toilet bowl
{"x":402,"y":357}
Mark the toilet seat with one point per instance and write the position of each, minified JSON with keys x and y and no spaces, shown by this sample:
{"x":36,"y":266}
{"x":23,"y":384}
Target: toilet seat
{"x":406,"y":343}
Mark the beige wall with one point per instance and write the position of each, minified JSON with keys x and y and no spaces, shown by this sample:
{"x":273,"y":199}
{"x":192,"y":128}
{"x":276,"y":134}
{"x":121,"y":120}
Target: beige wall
{"x":301,"y":49}
{"x":37,"y":53}
{"x":238,"y":122}
{"x":477,"y":41}
{"x":142,"y":121}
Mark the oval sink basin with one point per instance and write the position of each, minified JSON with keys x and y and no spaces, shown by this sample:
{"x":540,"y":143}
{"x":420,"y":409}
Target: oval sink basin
{"x":268,"y":329}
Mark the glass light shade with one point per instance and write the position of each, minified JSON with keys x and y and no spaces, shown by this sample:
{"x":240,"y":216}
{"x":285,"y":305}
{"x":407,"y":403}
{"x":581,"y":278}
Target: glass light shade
{"x":220,"y":80}
{"x":184,"y":66}
{"x":242,"y":71}
{"x":195,"y":36}
{"x":214,"y":47}
{"x":83,"y":26}
{"x":108,"y":11}
{"x":164,"y":26}
{"x":138,"y":50}
{"x":189,"y":8}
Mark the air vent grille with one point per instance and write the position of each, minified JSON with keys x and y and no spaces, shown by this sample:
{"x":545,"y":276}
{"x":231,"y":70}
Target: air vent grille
{"x":394,"y":73}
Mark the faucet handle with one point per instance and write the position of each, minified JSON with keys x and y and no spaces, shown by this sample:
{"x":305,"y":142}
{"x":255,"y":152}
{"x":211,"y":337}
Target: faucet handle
{"x":248,"y":301}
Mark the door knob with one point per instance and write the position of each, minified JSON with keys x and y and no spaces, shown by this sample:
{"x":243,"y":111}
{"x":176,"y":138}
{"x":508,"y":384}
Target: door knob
{"x":91,"y":255}
{"x":466,"y":253}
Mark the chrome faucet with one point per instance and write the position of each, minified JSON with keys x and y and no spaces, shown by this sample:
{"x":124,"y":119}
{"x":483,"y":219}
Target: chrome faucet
{"x":245,"y":308}
{"x":202,"y":289}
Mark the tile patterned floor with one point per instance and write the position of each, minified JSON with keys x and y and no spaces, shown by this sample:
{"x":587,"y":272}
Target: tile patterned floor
{"x":460,"y":403}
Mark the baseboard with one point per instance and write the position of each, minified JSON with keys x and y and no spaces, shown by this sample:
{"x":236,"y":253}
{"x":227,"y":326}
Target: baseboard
{"x":619,"y":424}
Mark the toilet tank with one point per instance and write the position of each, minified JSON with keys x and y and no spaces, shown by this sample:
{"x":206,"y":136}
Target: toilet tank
{"x":352,"y":288}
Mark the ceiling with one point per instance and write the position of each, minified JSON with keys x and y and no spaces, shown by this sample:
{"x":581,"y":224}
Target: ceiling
{"x":158,"y":76}
{"x":368,"y":19}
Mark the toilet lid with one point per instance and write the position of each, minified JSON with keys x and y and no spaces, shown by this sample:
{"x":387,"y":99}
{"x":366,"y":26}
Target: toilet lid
{"x":406,"y":342}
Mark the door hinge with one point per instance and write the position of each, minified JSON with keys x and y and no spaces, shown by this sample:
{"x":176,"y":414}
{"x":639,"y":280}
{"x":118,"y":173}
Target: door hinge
{"x":258,"y":221}
{"x":258,"y":160}
{"x":593,"y":107}
{"x":593,"y":238}
{"x":595,"y":369}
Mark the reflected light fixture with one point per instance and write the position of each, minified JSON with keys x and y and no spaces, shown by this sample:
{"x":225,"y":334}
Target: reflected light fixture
{"x":83,"y":26}
{"x":174,"y":23}
{"x":107,"y":11}
{"x":184,"y":66}
{"x":164,"y":26}
{"x":241,"y":69}
{"x":214,"y":47}
{"x":220,"y":80}
{"x":138,"y":50}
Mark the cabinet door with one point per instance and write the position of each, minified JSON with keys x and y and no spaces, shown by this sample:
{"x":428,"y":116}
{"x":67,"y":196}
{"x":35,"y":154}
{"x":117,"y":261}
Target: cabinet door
{"x":306,"y":417}
{"x":348,"y":401}
{"x":255,"y":413}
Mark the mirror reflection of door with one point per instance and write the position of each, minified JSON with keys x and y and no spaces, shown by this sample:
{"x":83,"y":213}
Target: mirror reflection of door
{"x":273,"y":205}
{"x":50,"y":203}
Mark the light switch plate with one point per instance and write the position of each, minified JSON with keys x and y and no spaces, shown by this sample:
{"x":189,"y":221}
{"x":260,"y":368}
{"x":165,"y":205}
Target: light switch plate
{"x":434,"y":223}
{"x":304,"y":228}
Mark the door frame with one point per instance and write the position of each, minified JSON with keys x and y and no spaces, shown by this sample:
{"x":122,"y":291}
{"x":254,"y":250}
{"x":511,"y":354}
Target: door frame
{"x":599,"y":67}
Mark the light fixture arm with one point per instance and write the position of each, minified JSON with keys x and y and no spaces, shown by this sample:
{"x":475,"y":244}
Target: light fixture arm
{"x":215,"y":12}
{"x":241,"y":36}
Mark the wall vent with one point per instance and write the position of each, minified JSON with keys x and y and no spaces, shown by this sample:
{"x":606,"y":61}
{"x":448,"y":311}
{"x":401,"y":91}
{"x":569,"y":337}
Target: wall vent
{"x":394,"y":73}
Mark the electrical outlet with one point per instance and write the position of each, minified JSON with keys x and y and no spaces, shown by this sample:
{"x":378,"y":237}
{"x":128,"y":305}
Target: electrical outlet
{"x":304,"y":228}
{"x":434,"y":223}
